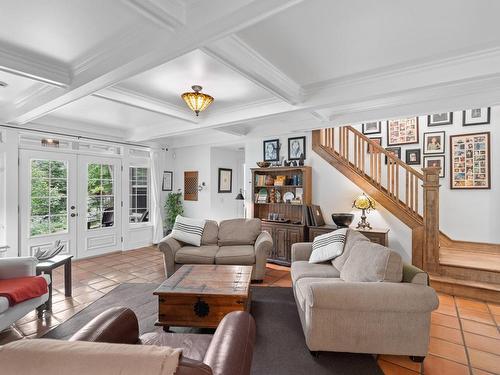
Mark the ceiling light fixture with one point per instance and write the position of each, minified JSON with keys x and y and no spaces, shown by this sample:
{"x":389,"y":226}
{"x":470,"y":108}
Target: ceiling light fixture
{"x":196,"y":100}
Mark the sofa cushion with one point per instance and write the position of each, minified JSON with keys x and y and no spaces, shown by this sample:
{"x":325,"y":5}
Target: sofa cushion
{"x":328,"y":246}
{"x":302,"y":288}
{"x":369,"y":261}
{"x":210,"y":233}
{"x":301,"y":269}
{"x":241,"y":255}
{"x":196,"y":255}
{"x":4,"y":304}
{"x":352,"y":237}
{"x":188,"y":230}
{"x":239,"y":231}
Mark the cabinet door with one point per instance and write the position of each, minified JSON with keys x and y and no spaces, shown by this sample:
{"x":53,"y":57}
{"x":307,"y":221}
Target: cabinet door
{"x":294,"y":235}
{"x":281,"y":244}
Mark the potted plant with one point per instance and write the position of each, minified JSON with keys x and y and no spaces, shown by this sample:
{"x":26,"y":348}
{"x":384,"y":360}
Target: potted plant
{"x":173,"y":207}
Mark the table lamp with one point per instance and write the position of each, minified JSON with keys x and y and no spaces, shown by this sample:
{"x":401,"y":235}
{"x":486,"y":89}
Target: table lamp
{"x":365,"y":204}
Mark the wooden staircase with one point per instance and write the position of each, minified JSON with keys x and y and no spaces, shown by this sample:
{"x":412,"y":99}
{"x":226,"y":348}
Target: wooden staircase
{"x":469,"y":269}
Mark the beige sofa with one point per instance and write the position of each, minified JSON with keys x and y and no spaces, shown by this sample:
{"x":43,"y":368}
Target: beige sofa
{"x":363,"y":317}
{"x":235,"y":241}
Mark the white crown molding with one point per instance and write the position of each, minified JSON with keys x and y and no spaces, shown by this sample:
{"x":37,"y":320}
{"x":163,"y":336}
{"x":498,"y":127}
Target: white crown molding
{"x":238,"y":55}
{"x":30,"y":65}
{"x":169,"y":14}
{"x":136,"y":99}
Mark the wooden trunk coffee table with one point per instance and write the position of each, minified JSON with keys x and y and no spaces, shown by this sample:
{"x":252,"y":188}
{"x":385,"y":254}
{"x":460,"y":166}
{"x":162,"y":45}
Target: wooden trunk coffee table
{"x":201,"y":295}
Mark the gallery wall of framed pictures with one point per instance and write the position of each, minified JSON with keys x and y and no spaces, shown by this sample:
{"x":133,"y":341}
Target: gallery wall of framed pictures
{"x":421,"y":141}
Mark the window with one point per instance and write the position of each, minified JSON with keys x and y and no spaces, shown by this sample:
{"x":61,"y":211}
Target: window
{"x":139,"y":195}
{"x":100,"y":196}
{"x":49,"y":197}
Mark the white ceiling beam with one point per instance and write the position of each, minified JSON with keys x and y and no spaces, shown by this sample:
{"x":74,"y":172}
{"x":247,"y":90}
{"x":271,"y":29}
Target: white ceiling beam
{"x":170,"y":14}
{"x":33,"y":66}
{"x":238,"y":55}
{"x":128,"y":97}
{"x":151,"y":50}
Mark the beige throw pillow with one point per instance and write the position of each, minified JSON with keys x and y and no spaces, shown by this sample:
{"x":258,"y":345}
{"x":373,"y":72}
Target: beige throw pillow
{"x":353,"y":236}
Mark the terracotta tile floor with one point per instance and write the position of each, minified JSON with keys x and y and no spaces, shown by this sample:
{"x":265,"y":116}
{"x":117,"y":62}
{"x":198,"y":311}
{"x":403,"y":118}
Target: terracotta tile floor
{"x":465,"y":334}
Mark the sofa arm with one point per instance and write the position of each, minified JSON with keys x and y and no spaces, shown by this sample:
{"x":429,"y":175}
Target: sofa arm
{"x":231,"y":349}
{"x":169,"y":246}
{"x":371,"y":296}
{"x":17,"y":267}
{"x":263,"y":246}
{"x":301,"y":251}
{"x":116,"y":325}
{"x":415,"y":275}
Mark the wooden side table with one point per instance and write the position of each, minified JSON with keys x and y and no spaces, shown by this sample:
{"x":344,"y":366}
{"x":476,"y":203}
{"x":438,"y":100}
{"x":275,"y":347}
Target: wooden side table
{"x":380,"y":236}
{"x":46,"y":267}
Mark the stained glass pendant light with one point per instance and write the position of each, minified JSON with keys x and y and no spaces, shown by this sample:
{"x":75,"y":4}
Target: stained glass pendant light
{"x":196,"y":100}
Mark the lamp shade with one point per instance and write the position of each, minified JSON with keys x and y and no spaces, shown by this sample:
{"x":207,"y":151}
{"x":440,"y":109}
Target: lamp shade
{"x":364,"y":202}
{"x":240,"y":196}
{"x":196,"y":100}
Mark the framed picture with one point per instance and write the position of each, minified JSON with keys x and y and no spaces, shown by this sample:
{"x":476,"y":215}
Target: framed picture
{"x":167,"y":181}
{"x":272,"y":150}
{"x":373,"y":127}
{"x":296,"y":148}
{"x":225,"y":180}
{"x":395,"y":151}
{"x":434,"y":142}
{"x":470,"y":161}
{"x":378,"y":140}
{"x":476,"y":116}
{"x":435,"y":161}
{"x":413,"y":156}
{"x":402,"y":131}
{"x":438,"y":119}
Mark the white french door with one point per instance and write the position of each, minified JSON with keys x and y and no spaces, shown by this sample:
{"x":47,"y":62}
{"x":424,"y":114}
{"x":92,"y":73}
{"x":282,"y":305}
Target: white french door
{"x":99,"y":205}
{"x":48,"y":201}
{"x":72,"y":198}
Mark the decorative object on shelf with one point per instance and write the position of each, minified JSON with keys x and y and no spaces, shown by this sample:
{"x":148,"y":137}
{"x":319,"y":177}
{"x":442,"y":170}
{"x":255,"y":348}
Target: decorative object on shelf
{"x":374,"y":127}
{"x":167,"y":181}
{"x":476,"y":116}
{"x":272,"y":150}
{"x":317,"y":215}
{"x":262,"y":196}
{"x":288,"y":196}
{"x":279,"y":180}
{"x":269,"y":180}
{"x":47,"y":253}
{"x":302,"y":160}
{"x":365,"y":204}
{"x":396,"y":151}
{"x":277,"y":195}
{"x":342,"y":220}
{"x":435,"y":161}
{"x":402,"y":131}
{"x":438,"y":119}
{"x":298,"y":193}
{"x":470,"y":161}
{"x":413,"y":156}
{"x":49,"y":142}
{"x":263,"y":164}
{"x":225,"y":182}
{"x":239,"y":196}
{"x":377,"y":140}
{"x":296,"y":201}
{"x":272,"y":196}
{"x":296,"y":148}
{"x":286,"y":163}
{"x":196,"y":100}
{"x":434,"y":142}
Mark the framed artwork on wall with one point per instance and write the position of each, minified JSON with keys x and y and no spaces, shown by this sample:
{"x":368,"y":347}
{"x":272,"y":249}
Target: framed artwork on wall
{"x":438,"y":119}
{"x":413,"y":156}
{"x":374,"y":127}
{"x":225,"y":180}
{"x":296,"y":148}
{"x":476,"y":116}
{"x":470,"y":161}
{"x":402,"y":131}
{"x":376,"y":140}
{"x":435,"y":161}
{"x":167,"y":181}
{"x":434,"y":142}
{"x":272,"y":150}
{"x":396,"y":151}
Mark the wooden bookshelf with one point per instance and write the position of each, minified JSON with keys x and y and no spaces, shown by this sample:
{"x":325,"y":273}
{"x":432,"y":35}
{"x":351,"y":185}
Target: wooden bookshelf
{"x":291,"y":227}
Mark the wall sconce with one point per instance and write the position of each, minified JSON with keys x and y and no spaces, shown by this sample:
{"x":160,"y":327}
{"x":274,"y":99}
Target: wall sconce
{"x":203,"y":185}
{"x":49,"y":142}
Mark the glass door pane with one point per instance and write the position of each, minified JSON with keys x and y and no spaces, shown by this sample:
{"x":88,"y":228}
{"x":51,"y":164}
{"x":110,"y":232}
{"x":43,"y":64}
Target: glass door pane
{"x":100,"y":196}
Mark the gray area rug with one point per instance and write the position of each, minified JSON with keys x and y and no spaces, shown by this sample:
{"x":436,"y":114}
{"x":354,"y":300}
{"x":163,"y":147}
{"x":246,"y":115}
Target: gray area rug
{"x":280,"y":347}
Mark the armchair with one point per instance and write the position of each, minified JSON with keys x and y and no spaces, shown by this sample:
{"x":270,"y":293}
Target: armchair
{"x":19,"y":267}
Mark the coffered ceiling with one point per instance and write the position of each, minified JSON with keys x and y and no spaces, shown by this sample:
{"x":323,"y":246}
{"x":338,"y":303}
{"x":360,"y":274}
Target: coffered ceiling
{"x":117,"y":68}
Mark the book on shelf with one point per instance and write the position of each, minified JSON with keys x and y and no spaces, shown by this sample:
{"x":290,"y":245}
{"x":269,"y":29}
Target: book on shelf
{"x":279,"y":180}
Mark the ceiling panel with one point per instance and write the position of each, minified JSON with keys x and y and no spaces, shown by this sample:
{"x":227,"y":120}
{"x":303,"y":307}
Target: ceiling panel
{"x":322,"y":39}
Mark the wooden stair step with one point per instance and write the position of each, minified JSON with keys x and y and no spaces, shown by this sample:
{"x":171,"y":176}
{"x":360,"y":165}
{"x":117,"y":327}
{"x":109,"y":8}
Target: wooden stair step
{"x":469,"y":259}
{"x":465,"y":288}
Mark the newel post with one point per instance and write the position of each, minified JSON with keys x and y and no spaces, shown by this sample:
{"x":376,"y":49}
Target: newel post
{"x":431,"y":219}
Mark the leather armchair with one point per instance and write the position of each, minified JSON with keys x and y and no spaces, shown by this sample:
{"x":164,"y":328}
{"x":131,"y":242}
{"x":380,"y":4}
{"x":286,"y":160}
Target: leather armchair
{"x":228,"y":352}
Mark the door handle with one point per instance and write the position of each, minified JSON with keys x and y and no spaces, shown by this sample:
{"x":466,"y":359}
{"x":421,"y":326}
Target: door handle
{"x":73,"y":214}
{"x":72,"y":207}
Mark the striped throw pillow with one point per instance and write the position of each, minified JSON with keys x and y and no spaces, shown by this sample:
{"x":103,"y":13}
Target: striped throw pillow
{"x":328,"y":246}
{"x":188,"y":230}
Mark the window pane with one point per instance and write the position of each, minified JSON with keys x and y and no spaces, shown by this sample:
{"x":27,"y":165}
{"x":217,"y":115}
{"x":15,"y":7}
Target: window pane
{"x":58,"y":223}
{"x":39,"y":187}
{"x":58,"y":169}
{"x":139,"y":194}
{"x":94,"y":171}
{"x":39,"y":206}
{"x":58,"y":206}
{"x":39,"y":225}
{"x":40,"y":168}
{"x":100,"y":202}
{"x":107,"y":187}
{"x":107,"y":172}
{"x":58,"y":186}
